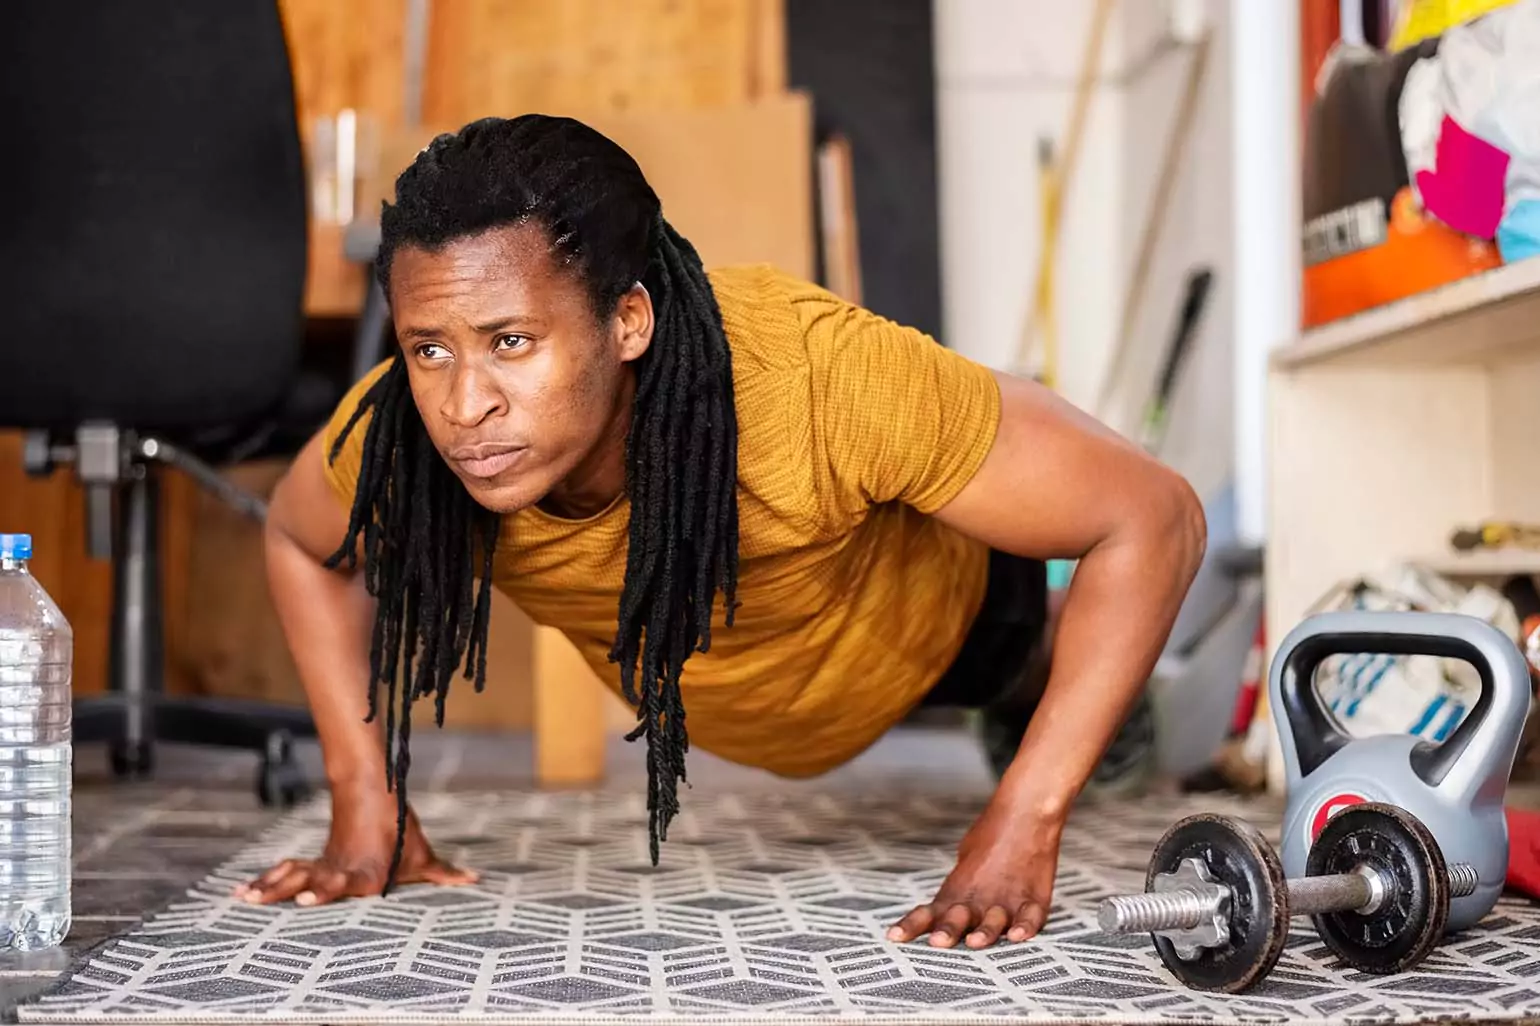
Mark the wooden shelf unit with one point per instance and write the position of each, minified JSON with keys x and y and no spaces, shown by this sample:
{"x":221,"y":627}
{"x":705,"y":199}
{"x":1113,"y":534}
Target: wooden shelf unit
{"x":1391,"y":428}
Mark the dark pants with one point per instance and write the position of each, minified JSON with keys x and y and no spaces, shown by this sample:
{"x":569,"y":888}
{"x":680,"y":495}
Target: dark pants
{"x":1002,"y":670}
{"x":1003,"y":663}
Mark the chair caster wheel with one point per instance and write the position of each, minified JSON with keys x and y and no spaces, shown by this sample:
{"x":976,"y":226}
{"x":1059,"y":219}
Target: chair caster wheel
{"x":280,"y":779}
{"x":131,"y":759}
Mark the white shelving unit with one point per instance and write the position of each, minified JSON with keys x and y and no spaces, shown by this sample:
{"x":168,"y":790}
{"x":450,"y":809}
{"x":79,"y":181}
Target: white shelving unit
{"x":1477,"y":318}
{"x":1487,"y":563}
{"x":1390,"y":429}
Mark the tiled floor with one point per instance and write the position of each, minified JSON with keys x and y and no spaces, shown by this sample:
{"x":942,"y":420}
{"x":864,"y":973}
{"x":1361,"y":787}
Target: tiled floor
{"x":139,"y":845}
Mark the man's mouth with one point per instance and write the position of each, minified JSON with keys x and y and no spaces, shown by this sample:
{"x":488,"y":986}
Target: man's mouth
{"x":486,"y":461}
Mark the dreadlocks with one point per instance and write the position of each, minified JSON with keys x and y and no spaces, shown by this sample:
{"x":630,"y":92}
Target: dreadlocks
{"x":425,"y":541}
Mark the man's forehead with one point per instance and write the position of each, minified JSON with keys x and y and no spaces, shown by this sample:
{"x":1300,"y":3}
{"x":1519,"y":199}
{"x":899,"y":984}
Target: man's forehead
{"x":511,"y":267}
{"x":514,"y":249}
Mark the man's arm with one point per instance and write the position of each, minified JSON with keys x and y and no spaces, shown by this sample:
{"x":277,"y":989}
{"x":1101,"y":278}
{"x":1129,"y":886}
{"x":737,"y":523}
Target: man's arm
{"x":327,"y":618}
{"x":1058,"y":484}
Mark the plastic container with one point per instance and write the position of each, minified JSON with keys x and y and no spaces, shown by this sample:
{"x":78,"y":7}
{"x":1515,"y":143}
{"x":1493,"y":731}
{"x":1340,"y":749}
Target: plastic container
{"x":36,"y":756}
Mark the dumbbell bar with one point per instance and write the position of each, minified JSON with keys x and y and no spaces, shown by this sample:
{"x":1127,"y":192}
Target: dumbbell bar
{"x":1218,"y":906}
{"x":1185,"y":907}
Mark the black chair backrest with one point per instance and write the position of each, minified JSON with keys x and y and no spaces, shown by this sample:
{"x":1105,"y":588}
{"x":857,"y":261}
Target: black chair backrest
{"x":153,"y":234}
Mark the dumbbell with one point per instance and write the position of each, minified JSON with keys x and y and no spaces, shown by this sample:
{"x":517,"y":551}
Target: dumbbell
{"x":1376,"y":889}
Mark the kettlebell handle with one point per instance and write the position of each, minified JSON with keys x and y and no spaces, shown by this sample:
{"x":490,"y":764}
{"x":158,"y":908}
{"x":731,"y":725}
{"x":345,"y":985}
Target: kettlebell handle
{"x":1310,"y":734}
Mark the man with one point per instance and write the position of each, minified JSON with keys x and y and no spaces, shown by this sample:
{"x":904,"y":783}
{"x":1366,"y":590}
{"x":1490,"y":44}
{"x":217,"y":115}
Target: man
{"x":579,"y":415}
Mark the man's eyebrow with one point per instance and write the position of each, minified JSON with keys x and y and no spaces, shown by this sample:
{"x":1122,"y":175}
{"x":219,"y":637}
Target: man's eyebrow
{"x":420,"y":331}
{"x":510,"y":321}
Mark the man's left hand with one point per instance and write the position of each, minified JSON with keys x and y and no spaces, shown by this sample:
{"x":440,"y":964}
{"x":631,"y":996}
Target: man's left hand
{"x":1002,"y":883}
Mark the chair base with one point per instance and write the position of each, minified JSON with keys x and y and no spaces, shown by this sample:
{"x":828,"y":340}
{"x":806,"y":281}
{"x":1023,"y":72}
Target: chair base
{"x":132,"y":729}
{"x":119,"y":472}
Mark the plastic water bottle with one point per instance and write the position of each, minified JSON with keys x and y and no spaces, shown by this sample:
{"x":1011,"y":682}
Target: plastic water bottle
{"x":36,"y":760}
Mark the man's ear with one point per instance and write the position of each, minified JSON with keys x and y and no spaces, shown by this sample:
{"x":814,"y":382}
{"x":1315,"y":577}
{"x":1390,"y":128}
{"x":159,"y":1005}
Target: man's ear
{"x":634,"y":323}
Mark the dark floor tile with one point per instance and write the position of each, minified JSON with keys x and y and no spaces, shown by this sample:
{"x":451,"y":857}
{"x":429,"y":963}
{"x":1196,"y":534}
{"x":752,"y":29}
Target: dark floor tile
{"x":235,"y":799}
{"x":104,"y":813}
{"x":199,"y":826}
{"x":50,"y":960}
{"x":106,"y":801}
{"x":89,"y":780}
{"x":128,"y":895}
{"x":185,"y":859}
{"x":187,"y":778}
{"x":16,"y":989}
{"x":88,"y":841}
{"x":490,"y":758}
{"x":88,"y":932}
{"x":489,"y":782}
{"x":191,"y":854}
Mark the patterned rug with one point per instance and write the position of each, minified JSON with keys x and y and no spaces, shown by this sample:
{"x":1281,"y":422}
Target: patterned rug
{"x":766,"y":909}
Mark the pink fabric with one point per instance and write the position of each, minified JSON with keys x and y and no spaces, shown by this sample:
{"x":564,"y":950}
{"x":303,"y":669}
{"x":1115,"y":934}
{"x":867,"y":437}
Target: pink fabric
{"x":1466,"y":186}
{"x":1524,"y":851}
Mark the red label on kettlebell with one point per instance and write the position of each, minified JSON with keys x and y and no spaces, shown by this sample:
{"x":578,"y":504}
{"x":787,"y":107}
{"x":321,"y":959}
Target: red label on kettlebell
{"x":1329,"y":808}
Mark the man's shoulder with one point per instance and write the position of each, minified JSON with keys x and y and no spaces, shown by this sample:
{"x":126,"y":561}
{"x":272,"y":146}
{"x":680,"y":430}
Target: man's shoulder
{"x":760,"y":313}
{"x":779,"y":322}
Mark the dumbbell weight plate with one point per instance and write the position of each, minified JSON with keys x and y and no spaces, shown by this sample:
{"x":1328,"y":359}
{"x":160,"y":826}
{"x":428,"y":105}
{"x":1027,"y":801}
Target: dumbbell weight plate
{"x":1412,"y":916}
{"x":1238,"y":856}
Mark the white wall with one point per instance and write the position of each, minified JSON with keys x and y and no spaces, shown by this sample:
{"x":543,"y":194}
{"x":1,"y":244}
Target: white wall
{"x":1196,"y":229}
{"x":1006,"y":74}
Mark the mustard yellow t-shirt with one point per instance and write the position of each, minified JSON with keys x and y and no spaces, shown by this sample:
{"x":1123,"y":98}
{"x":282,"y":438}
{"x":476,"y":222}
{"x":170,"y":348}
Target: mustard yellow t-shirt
{"x":853,"y":601}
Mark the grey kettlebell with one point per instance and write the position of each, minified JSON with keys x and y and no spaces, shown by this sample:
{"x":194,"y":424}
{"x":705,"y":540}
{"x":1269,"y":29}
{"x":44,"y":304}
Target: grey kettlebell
{"x":1456,"y":787}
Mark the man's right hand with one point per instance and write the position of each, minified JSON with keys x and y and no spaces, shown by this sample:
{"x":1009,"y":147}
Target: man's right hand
{"x":327,"y":618}
{"x":356,"y":859}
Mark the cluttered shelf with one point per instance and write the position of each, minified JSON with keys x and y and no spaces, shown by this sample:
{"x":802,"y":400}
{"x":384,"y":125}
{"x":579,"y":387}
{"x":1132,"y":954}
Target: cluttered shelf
{"x":1488,"y":549}
{"x":1392,"y":429}
{"x":1496,"y":562}
{"x":1470,"y":320}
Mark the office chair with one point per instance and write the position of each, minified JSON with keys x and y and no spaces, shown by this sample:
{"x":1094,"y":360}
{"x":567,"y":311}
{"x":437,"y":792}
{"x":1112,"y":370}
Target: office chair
{"x":152,"y":273}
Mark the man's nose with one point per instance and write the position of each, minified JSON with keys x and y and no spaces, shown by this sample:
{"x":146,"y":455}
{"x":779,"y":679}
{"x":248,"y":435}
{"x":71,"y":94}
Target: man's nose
{"x":472,"y":398}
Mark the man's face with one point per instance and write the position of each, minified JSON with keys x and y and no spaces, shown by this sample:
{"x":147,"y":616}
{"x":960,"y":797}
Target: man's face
{"x":517,"y":382}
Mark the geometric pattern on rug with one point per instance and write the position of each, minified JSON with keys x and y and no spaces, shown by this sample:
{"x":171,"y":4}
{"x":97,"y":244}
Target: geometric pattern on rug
{"x":765,"y":908}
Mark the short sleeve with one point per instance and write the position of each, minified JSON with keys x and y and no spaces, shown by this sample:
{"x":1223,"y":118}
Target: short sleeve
{"x":900,"y":417}
{"x":342,"y":470}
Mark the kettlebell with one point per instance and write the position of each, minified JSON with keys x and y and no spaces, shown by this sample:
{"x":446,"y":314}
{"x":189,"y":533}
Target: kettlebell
{"x":1456,"y":787}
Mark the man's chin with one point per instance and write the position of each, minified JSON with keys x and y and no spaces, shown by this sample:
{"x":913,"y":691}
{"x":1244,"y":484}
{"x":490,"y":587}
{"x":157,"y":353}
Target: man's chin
{"x":504,"y":497}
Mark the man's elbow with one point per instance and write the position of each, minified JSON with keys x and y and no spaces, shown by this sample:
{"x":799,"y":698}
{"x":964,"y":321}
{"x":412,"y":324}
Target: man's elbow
{"x":1177,"y":515}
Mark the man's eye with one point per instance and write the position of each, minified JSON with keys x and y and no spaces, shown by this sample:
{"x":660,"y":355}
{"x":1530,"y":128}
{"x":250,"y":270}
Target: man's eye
{"x":509,"y":341}
{"x":431,"y":351}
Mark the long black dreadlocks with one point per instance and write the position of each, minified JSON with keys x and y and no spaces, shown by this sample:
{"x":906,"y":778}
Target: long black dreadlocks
{"x":426,"y":541}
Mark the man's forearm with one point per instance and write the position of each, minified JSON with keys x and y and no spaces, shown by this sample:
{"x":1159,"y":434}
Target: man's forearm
{"x":1116,"y":617}
{"x":327,"y":618}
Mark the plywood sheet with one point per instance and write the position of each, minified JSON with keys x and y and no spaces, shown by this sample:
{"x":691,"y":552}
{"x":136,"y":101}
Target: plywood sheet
{"x":346,"y":53}
{"x":507,"y":56}
{"x":735,"y":180}
{"x":502,"y":57}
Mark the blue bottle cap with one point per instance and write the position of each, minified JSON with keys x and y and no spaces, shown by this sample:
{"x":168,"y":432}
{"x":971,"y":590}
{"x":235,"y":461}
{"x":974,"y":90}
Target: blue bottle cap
{"x":15,"y":546}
